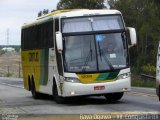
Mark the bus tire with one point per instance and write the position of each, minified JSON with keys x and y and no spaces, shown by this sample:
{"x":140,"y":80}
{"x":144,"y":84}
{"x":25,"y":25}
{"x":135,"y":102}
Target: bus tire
{"x":113,"y":97}
{"x":29,"y":84}
{"x":58,"y":99}
{"x":35,"y":94}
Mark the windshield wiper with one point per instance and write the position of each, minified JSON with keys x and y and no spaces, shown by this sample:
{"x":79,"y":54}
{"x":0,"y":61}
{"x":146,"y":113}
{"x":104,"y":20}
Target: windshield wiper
{"x":123,"y":36}
{"x":99,"y":48}
{"x":87,"y":58}
{"x":102,"y":53}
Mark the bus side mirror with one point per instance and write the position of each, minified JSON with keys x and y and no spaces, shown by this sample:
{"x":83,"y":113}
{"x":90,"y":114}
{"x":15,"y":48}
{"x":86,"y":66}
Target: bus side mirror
{"x":59,"y":41}
{"x":132,"y":36}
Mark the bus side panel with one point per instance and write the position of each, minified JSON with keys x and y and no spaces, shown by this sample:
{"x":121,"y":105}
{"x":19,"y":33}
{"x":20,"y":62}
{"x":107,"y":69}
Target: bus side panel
{"x":49,"y":72}
{"x":25,"y":69}
{"x":31,"y":67}
{"x":44,"y":55}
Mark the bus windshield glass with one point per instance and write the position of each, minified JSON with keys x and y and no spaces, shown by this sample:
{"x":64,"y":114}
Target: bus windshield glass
{"x":88,"y":24}
{"x":95,"y":52}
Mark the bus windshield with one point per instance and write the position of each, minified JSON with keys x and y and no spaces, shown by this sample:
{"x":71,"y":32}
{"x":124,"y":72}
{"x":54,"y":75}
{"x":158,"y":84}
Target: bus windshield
{"x":95,"y":52}
{"x":88,"y":24}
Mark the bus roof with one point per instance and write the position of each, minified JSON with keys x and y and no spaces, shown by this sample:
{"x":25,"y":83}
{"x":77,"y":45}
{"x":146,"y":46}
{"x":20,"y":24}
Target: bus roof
{"x":79,"y":12}
{"x":71,"y":13}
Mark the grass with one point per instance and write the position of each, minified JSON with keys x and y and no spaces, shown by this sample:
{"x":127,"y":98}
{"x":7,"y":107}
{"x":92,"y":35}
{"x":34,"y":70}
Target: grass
{"x":138,"y":82}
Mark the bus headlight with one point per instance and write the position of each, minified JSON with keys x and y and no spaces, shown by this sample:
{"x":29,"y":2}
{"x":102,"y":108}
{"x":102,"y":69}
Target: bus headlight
{"x":72,"y":79}
{"x":124,"y":76}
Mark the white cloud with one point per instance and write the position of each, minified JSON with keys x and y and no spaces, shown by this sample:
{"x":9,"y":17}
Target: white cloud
{"x":16,"y":12}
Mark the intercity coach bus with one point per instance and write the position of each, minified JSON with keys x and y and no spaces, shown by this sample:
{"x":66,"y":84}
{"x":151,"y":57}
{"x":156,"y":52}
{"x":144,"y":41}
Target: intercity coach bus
{"x":80,"y":52}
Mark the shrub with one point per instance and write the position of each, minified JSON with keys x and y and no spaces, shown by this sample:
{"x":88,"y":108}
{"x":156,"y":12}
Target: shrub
{"x":149,"y":69}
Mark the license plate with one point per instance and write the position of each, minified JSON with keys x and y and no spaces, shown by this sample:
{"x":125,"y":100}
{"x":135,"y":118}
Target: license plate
{"x":99,"y":87}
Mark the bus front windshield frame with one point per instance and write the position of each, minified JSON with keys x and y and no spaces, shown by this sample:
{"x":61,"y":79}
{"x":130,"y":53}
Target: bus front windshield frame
{"x":92,"y":23}
{"x":96,"y":51}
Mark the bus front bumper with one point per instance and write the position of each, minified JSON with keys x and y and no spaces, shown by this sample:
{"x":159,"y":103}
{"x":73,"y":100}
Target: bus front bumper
{"x":79,"y":89}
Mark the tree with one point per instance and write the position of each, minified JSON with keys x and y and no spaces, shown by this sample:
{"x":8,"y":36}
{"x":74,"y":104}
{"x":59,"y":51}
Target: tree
{"x":144,"y":16}
{"x":81,"y":4}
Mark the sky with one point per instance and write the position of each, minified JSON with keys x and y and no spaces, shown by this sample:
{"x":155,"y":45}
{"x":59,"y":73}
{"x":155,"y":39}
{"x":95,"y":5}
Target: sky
{"x":14,"y":13}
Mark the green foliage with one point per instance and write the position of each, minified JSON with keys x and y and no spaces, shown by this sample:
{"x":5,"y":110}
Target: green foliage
{"x":80,"y":4}
{"x":149,"y":69}
{"x":142,"y":83}
{"x":8,"y":75}
{"x":143,"y":15}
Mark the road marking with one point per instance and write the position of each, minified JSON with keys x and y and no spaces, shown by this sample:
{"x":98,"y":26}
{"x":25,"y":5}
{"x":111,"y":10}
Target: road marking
{"x":15,"y":110}
{"x":12,"y":85}
{"x":142,"y":94}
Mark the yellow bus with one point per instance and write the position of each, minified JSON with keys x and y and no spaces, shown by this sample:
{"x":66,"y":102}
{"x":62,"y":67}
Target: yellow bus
{"x":70,"y":53}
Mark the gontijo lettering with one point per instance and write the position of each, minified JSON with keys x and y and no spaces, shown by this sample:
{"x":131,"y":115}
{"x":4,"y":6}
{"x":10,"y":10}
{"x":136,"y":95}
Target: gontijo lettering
{"x":33,"y":57}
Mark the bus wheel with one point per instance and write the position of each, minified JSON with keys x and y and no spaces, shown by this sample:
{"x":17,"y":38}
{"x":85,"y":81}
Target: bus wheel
{"x":35,"y":94}
{"x":113,"y":97}
{"x":56,"y":97}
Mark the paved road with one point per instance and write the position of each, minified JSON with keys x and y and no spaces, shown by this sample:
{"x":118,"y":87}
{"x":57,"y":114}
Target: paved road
{"x":15,"y":100}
